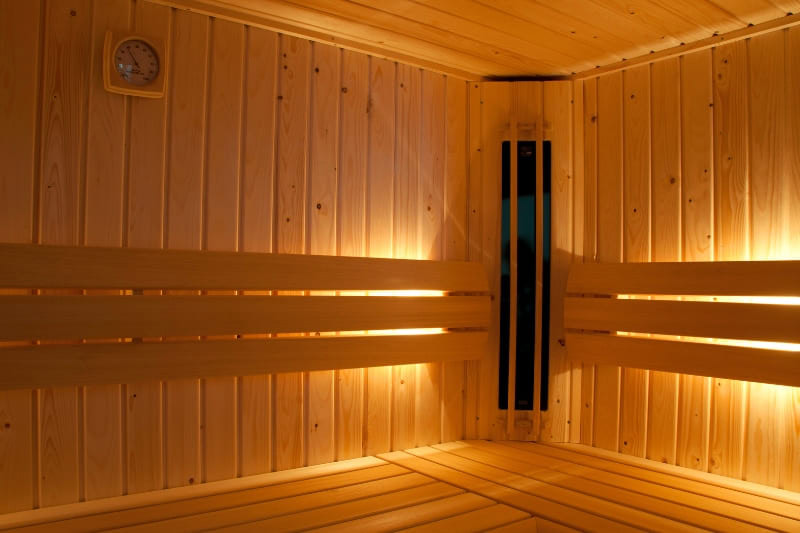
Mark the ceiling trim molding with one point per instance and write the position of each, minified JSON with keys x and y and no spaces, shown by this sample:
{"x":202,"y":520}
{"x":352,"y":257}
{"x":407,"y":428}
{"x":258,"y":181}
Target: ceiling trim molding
{"x":258,"y":19}
{"x":703,"y":44}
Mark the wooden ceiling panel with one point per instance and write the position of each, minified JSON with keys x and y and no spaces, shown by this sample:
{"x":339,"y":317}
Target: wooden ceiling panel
{"x":476,"y":39}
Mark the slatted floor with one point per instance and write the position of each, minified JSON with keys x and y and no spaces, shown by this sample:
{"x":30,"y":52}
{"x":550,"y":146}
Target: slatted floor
{"x":460,"y":486}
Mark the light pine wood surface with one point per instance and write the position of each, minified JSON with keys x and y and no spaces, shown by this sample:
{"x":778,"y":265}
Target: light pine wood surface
{"x":719,"y":183}
{"x":478,"y":38}
{"x":239,"y":145}
{"x":468,"y":485}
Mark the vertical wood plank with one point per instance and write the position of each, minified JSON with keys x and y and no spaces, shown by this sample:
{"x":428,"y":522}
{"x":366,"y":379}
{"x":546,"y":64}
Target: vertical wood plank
{"x":495,"y":113}
{"x":184,"y":221}
{"x":379,"y":227}
{"x":764,"y":439}
{"x":295,"y":57}
{"x":326,"y":88}
{"x":456,"y":182}
{"x":352,"y":202}
{"x":590,"y":164}
{"x":105,"y":180}
{"x":662,"y":417}
{"x":666,"y":159}
{"x":731,"y":235}
{"x":636,"y":246}
{"x":406,"y":233}
{"x":431,"y":206}
{"x":609,"y":242}
{"x":558,"y":130}
{"x":20,"y":39}
{"x":146,"y":179}
{"x":578,"y":228}
{"x":526,"y":113}
{"x":258,"y":164}
{"x":697,"y":152}
{"x":791,"y":204}
{"x":20,"y":34}
{"x":790,"y":469}
{"x":63,"y":128}
{"x":221,"y":222}
{"x":472,"y":373}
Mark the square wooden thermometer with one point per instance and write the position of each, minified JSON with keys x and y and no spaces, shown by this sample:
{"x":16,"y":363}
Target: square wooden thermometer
{"x":134,"y":65}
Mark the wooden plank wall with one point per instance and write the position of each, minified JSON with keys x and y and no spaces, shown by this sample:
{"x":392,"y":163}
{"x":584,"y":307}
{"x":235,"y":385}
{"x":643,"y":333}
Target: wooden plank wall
{"x":263,"y":143}
{"x":693,"y":158}
{"x":538,"y":110}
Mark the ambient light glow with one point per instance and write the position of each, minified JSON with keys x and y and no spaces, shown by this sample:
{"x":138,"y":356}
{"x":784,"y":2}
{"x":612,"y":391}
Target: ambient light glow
{"x":771,"y":300}
{"x":400,"y":294}
{"x":764,"y":345}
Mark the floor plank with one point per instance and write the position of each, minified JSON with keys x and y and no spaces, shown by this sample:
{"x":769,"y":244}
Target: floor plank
{"x":661,"y":477}
{"x":469,"y":485}
{"x":533,"y":504}
{"x":277,"y":507}
{"x":322,"y":515}
{"x":478,"y":520}
{"x":606,"y":509}
{"x":418,"y":514}
{"x":655,"y":499}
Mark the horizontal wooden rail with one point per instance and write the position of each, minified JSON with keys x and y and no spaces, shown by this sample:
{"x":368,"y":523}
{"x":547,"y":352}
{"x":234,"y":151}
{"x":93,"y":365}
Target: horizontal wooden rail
{"x":107,"y":317}
{"x":90,"y":364}
{"x":729,"y":278}
{"x":748,"y":339}
{"x":718,"y":360}
{"x":65,"y":267}
{"x":774,"y":323}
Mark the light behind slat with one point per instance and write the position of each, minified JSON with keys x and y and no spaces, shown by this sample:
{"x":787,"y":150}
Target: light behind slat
{"x":728,"y":278}
{"x":88,"y":364}
{"x":36,"y":266}
{"x":106,"y":317}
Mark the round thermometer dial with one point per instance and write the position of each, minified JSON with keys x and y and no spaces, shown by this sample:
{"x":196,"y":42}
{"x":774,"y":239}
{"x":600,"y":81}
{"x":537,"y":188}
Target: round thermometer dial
{"x":136,"y":62}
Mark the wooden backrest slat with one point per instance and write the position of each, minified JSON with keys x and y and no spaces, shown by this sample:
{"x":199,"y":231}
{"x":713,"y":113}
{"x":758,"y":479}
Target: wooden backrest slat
{"x":54,"y":365}
{"x":64,"y":267}
{"x":761,"y":322}
{"x":721,"y":278}
{"x":108,"y":317}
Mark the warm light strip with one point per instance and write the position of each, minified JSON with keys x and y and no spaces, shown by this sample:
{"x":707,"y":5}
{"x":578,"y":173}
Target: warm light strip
{"x":764,"y":345}
{"x":772,"y":300}
{"x":404,"y":293}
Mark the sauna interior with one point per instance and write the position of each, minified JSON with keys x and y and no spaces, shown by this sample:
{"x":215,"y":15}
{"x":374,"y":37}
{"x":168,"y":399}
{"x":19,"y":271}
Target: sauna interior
{"x":465,"y":265}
